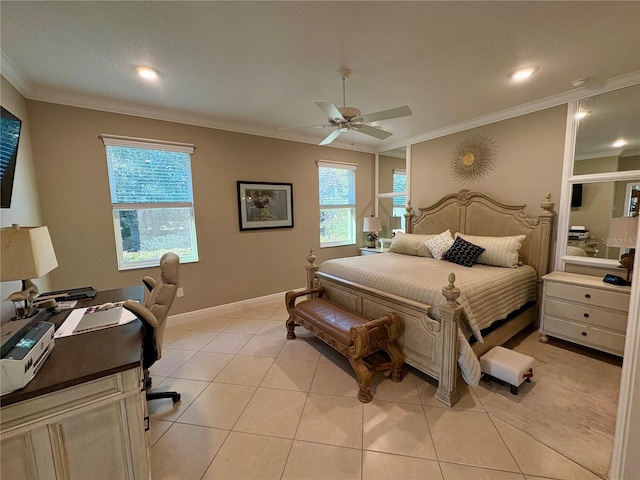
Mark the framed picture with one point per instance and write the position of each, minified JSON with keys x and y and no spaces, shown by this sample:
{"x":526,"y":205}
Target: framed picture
{"x":265,"y":205}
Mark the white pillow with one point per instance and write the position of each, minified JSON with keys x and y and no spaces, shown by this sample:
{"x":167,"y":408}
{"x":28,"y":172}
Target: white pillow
{"x":411,"y":244}
{"x":440,"y":244}
{"x":498,"y":251}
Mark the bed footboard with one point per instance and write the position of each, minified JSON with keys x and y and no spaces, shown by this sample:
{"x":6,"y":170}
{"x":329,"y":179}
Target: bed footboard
{"x":429,"y":345}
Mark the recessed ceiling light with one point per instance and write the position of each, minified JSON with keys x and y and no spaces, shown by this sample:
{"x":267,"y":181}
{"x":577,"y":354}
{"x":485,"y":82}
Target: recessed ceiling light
{"x":522,"y":74}
{"x":580,"y":115}
{"x":147,"y":73}
{"x":619,"y":143}
{"x":581,"y":82}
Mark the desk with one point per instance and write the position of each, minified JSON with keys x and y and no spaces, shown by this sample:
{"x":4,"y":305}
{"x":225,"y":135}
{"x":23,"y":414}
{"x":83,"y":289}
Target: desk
{"x":84,"y":413}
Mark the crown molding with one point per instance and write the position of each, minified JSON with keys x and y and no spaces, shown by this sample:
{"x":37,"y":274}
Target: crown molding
{"x":553,"y":101}
{"x":10,"y":72}
{"x":125,"y":108}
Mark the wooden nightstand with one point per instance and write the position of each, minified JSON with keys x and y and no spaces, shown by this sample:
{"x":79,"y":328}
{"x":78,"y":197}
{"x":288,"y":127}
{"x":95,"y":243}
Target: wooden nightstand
{"x":585,"y":310}
{"x":371,"y":251}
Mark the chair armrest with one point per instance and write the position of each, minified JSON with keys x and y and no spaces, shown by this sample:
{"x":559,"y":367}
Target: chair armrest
{"x":142,"y":312}
{"x":149,"y":282}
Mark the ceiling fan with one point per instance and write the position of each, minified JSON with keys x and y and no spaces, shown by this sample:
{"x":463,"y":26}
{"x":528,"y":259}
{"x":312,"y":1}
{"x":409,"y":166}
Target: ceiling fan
{"x":346,"y":119}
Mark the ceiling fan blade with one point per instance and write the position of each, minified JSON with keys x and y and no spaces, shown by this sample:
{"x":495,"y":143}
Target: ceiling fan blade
{"x":374,"y":132}
{"x":307,"y":126}
{"x":387,"y":114}
{"x":331,"y":137}
{"x":331,"y":110}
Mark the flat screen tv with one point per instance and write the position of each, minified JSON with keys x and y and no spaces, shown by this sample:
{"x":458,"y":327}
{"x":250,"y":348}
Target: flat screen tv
{"x":9,"y":139}
{"x":576,"y":195}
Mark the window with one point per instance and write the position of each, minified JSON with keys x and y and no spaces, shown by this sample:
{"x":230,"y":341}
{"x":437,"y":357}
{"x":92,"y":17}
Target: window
{"x":152,"y":200}
{"x":399,"y":202}
{"x":337,"y":185}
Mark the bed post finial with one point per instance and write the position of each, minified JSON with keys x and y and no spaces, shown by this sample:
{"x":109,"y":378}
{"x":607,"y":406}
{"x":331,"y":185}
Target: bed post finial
{"x":547,"y":205}
{"x":312,"y":268}
{"x":408,"y":216}
{"x":451,"y":292}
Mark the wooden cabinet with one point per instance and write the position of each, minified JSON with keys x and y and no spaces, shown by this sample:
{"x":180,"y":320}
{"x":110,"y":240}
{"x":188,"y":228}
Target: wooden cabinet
{"x":92,"y":430}
{"x":584,"y":310}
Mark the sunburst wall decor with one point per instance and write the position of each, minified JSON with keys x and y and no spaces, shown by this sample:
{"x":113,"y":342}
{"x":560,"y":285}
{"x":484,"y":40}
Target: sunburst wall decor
{"x":472,"y":158}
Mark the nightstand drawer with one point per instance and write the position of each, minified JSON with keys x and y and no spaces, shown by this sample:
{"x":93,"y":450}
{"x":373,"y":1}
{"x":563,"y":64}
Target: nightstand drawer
{"x":590,"y":296}
{"x":586,"y":335}
{"x":613,"y":320}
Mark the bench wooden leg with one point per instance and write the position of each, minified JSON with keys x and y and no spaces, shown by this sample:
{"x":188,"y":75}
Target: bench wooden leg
{"x":364,"y":379}
{"x":291,"y":325}
{"x":397,"y":360}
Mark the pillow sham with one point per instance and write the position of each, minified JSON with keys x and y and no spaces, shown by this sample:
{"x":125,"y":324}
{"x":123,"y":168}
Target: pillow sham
{"x":439,"y":244}
{"x":463,"y":253}
{"x":498,"y":251}
{"x":411,"y":244}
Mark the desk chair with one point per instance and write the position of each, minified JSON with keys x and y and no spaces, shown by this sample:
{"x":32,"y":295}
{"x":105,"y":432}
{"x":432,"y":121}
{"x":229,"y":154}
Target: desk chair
{"x":153,"y":315}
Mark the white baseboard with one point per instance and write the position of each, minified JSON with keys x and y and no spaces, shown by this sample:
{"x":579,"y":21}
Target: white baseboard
{"x":227,"y":308}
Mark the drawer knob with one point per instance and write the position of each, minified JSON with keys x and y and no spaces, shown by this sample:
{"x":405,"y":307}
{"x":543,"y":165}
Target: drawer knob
{"x":584,"y":334}
{"x":586,"y":315}
{"x":587,"y":295}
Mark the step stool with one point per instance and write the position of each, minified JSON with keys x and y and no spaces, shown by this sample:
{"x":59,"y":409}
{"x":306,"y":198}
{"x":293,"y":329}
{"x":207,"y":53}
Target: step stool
{"x":506,"y":365}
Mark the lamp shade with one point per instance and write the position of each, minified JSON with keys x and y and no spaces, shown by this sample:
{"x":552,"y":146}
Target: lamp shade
{"x":371,"y":224}
{"x":623,"y":232}
{"x":395,"y":222}
{"x":27,"y":253}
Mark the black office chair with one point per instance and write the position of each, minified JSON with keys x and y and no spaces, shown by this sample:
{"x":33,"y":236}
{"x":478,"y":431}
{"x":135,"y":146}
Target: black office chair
{"x":153,"y":315}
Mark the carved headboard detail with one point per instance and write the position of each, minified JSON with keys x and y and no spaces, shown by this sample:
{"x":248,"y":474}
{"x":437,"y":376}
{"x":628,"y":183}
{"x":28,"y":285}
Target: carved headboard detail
{"x":475,"y":213}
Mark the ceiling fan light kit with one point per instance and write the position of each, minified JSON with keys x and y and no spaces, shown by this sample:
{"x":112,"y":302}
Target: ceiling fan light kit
{"x":345,"y":118}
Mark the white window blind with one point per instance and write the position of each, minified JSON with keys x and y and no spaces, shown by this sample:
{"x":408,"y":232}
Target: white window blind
{"x":337,"y":199}
{"x":152,"y":200}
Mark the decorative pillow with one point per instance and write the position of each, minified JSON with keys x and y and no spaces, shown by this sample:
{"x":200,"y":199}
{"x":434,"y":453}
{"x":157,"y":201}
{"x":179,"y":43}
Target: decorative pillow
{"x":439,"y":244}
{"x":411,"y":244}
{"x":499,"y":251}
{"x":463,"y":253}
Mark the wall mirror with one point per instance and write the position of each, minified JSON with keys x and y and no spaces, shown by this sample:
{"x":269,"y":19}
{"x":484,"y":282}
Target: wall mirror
{"x":604,"y":179}
{"x":391,"y":191}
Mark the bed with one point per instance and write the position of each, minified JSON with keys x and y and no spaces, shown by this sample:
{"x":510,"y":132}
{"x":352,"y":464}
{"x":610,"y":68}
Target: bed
{"x":452,"y":314}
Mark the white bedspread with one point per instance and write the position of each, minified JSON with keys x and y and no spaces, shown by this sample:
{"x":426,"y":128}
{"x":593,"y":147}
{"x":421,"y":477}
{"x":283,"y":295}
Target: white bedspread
{"x":487,"y":293}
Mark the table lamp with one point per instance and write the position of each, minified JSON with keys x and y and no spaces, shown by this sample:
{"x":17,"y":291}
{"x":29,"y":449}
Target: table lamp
{"x":395,"y":223}
{"x":623,"y":233}
{"x":27,"y":253}
{"x":372,"y":226}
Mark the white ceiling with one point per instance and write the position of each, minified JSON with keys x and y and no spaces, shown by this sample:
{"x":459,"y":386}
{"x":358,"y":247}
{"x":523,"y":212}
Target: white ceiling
{"x":256,"y":66}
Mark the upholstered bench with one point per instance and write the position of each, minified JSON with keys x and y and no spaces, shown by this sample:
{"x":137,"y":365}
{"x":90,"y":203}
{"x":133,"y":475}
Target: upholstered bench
{"x":349,"y":333}
{"x":506,"y":365}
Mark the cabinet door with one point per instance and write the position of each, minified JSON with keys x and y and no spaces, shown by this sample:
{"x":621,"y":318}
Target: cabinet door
{"x":18,"y":459}
{"x":95,"y":444}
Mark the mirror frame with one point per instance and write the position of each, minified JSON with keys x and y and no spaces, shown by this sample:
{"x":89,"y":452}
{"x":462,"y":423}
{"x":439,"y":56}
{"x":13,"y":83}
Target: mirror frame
{"x":568,"y":179}
{"x":380,"y":195}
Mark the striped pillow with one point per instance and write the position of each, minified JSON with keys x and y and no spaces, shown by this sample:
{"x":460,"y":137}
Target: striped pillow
{"x":411,"y":244}
{"x":498,"y":251}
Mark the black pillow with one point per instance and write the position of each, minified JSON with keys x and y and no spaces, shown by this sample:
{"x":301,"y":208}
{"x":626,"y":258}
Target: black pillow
{"x":463,"y":252}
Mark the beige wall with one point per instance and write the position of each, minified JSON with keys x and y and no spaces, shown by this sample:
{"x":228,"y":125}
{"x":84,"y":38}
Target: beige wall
{"x":234,"y":265}
{"x":25,"y":204}
{"x":74,"y":193}
{"x":529,"y":165}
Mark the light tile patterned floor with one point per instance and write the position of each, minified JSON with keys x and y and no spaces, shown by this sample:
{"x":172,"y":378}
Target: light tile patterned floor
{"x":257,"y":406}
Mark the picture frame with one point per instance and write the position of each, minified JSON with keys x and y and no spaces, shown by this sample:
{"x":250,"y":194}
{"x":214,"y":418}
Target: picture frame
{"x":265,"y":205}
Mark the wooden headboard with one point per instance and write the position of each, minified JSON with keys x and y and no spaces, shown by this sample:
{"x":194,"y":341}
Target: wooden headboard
{"x":475,"y":213}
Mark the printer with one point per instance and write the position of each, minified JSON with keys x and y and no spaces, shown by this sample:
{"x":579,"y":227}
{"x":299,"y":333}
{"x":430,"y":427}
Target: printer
{"x":26,"y":344}
{"x":578,"y":232}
